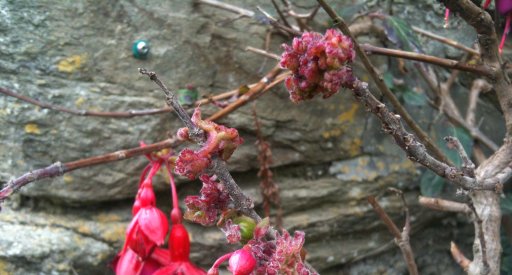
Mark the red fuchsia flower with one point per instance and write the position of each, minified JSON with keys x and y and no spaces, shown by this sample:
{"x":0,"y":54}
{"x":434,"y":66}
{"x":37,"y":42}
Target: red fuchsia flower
{"x":319,"y":64}
{"x":147,"y":230}
{"x":179,"y":242}
{"x":129,"y":262}
{"x":220,"y":140}
{"x":149,"y":225}
{"x":214,"y":200}
{"x":241,"y":262}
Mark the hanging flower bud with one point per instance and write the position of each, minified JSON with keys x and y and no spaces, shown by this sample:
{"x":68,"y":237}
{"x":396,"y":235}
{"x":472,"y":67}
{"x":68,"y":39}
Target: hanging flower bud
{"x":242,"y":262}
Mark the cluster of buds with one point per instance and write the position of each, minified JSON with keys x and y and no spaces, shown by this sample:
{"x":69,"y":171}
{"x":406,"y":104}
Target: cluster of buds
{"x":220,"y":141}
{"x":319,"y":64}
{"x":141,"y":253}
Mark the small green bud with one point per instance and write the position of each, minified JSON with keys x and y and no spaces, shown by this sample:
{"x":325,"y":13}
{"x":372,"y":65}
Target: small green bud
{"x":246,"y":227}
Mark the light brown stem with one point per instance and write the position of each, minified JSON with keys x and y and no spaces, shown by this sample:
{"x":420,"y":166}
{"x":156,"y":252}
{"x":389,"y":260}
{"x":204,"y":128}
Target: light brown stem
{"x":445,"y":40}
{"x":443,"y":62}
{"x":444,"y":205}
{"x":401,"y":238}
{"x":459,"y":257}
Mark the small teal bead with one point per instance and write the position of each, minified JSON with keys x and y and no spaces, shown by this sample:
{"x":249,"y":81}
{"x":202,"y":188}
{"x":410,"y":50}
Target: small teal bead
{"x":140,"y":49}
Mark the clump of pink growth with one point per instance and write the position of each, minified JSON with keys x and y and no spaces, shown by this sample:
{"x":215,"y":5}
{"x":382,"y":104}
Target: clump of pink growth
{"x":214,"y":200}
{"x":319,"y":64}
{"x":220,"y":140}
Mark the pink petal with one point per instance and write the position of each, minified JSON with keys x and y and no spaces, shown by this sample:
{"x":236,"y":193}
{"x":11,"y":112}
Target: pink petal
{"x":153,"y":223}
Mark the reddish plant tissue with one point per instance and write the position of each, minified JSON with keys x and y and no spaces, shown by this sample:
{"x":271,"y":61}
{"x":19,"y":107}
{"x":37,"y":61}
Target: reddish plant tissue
{"x":319,"y":64}
{"x":214,"y":200}
{"x":220,"y":140}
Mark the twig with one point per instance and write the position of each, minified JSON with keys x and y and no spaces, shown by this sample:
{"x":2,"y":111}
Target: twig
{"x":446,"y":41}
{"x":126,"y":114}
{"x":468,"y":167}
{"x":401,"y":238}
{"x":263,"y":85}
{"x":459,"y":257}
{"x":281,"y":15}
{"x":340,"y":23}
{"x":59,"y":169}
{"x":393,"y":229}
{"x":44,"y":105}
{"x":170,"y":98}
{"x":278,"y":25}
{"x":479,"y":85}
{"x":263,"y":52}
{"x":218,"y":4}
{"x":443,"y":62}
{"x":481,"y":237}
{"x":444,"y":205}
{"x":409,"y":143}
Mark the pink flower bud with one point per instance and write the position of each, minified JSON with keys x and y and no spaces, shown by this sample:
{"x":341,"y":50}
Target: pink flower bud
{"x":242,"y":262}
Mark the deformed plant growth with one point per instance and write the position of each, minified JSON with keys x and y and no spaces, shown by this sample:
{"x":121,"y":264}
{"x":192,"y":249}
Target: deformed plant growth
{"x":312,"y":63}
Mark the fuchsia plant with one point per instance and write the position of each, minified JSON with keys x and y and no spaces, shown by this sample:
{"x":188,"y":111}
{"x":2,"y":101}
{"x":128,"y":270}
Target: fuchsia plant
{"x":263,"y":253}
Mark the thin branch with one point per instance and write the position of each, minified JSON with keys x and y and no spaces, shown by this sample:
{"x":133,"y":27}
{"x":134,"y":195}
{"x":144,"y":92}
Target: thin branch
{"x":446,"y":40}
{"x":278,"y":25}
{"x":171,"y":100}
{"x":44,"y":105}
{"x":221,"y":5}
{"x":409,"y":143}
{"x":444,"y":205}
{"x":59,"y":169}
{"x":126,"y":114}
{"x":262,"y":86}
{"x":459,"y":257}
{"x":281,"y":15}
{"x":393,"y":229}
{"x":443,"y":62}
{"x":401,"y":238}
{"x":263,"y":52}
{"x":468,"y":167}
{"x":479,"y":85}
{"x":340,"y":23}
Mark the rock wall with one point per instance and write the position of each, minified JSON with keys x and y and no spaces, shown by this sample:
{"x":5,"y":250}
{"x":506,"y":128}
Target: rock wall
{"x":328,"y":155}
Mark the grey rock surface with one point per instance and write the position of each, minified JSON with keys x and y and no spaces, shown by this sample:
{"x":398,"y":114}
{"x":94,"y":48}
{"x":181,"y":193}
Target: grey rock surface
{"x":328,"y":154}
